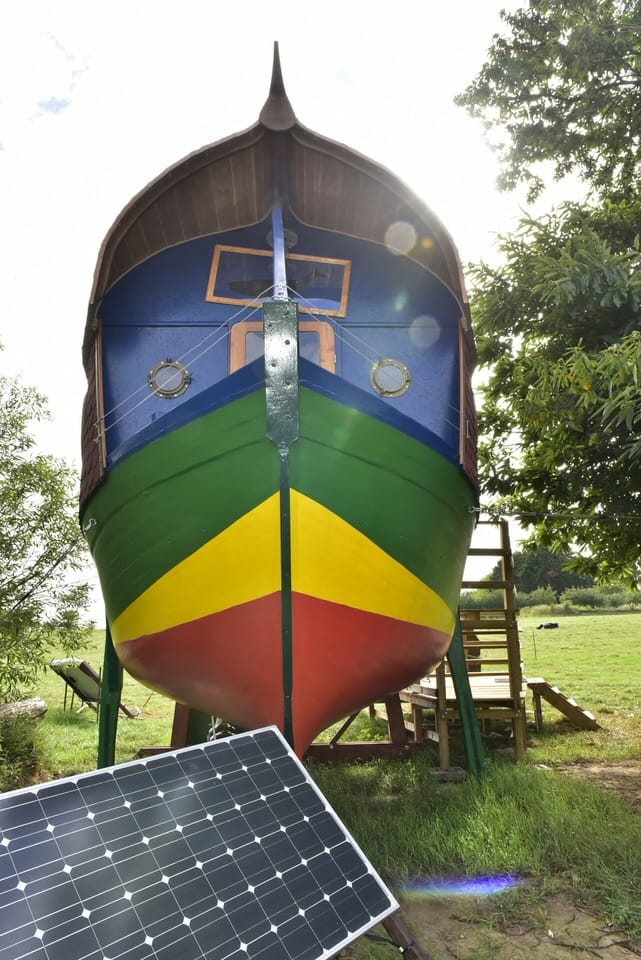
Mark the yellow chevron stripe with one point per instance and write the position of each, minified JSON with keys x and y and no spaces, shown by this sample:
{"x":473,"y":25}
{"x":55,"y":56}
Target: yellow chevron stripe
{"x":242,"y":563}
{"x":332,"y":560}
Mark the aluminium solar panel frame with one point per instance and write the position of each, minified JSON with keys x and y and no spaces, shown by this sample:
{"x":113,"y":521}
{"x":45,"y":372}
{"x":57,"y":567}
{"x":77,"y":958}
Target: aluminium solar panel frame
{"x":79,"y":881}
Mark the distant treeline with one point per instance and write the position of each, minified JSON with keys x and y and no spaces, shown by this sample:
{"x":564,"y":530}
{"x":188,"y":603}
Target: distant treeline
{"x":606,"y":596}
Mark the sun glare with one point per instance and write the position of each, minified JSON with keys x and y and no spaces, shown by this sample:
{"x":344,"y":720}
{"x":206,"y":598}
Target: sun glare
{"x":461,"y":887}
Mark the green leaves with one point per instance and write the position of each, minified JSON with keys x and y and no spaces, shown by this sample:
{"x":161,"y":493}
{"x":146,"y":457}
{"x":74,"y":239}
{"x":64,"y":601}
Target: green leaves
{"x":558,"y":323}
{"x":41,"y":550}
{"x":558,"y":326}
{"x":565,"y":84}
{"x":540,"y":569}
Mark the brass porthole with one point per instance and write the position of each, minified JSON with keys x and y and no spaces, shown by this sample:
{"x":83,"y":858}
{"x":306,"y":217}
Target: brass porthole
{"x":390,"y":377}
{"x":169,"y":378}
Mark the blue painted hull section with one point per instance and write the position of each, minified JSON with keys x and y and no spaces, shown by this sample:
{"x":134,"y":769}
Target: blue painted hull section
{"x":396,"y":308}
{"x":252,"y":377}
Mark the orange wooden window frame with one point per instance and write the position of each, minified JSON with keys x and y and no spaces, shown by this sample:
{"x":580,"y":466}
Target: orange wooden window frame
{"x":219,"y":249}
{"x":238,"y":341}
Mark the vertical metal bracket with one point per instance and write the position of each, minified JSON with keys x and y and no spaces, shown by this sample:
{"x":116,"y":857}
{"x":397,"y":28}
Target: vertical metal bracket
{"x":280,"y":318}
{"x":280,"y":264}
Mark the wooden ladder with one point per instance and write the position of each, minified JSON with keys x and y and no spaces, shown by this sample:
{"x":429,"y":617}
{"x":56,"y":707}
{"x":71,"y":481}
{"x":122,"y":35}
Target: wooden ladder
{"x":492,"y":652}
{"x":493,"y":646}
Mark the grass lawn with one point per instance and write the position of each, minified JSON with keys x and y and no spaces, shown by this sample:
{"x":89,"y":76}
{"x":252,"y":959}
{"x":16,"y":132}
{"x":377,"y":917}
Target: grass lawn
{"x":555,"y":833}
{"x":596,"y":660}
{"x":529,"y":821}
{"x":68,"y":738}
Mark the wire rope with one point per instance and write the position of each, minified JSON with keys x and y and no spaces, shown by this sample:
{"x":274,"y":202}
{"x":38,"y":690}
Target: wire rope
{"x":187,"y":358}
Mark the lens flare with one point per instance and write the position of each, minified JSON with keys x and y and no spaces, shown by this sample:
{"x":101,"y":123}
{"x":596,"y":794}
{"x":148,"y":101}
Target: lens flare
{"x":462,"y":887}
{"x":400,"y":301}
{"x":400,"y":237}
{"x":424,"y":332}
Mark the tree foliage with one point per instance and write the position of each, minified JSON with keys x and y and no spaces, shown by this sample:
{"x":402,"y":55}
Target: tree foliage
{"x":40,"y":545}
{"x":559,"y":320}
{"x":564,"y":87}
{"x":558,"y":325}
{"x":542,"y":569}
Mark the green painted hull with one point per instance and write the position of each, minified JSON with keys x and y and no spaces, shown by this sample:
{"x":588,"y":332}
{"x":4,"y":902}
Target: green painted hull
{"x":166,"y":500}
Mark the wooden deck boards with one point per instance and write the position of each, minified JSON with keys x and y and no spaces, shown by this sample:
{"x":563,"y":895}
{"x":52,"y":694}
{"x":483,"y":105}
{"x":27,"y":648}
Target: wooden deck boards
{"x":485,"y":688}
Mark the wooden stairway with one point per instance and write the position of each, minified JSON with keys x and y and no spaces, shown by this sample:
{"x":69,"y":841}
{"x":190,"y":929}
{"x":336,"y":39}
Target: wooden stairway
{"x":493,"y":659}
{"x":577,"y":716}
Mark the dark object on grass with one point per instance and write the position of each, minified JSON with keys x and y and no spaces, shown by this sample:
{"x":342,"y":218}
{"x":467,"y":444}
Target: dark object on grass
{"x":551,"y":625}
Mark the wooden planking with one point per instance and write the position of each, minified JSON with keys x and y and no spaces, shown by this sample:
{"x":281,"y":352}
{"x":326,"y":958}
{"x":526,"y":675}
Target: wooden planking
{"x":231,"y":184}
{"x":577,"y":716}
{"x":485,"y":688}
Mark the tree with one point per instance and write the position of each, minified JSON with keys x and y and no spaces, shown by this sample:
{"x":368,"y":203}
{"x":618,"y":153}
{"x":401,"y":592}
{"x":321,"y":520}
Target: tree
{"x":40,"y":545}
{"x":542,"y":568}
{"x":565,"y":86}
{"x":557,"y":323}
{"x":610,"y":383}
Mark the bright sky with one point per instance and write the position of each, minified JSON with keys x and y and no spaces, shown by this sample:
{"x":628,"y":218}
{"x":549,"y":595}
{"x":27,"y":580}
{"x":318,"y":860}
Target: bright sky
{"x":97,"y":99}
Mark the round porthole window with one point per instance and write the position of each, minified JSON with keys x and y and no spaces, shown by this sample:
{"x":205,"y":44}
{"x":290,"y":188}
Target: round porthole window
{"x":390,"y":377}
{"x":169,"y":378}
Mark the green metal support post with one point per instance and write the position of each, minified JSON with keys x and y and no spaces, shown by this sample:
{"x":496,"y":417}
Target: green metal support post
{"x":471,"y":732}
{"x":110,"y":694}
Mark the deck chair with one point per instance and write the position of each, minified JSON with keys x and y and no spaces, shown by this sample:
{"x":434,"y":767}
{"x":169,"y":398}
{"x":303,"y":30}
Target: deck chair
{"x":84,"y":682}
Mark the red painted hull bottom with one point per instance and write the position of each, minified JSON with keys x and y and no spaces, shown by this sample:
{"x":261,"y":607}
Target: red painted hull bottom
{"x":230,"y":664}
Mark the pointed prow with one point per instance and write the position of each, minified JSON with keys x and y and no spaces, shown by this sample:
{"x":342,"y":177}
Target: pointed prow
{"x":277,"y":113}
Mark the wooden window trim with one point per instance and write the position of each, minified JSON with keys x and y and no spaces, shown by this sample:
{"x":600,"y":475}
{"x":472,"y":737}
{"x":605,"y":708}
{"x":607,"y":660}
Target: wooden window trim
{"x":238,"y":341}
{"x":219,"y":249}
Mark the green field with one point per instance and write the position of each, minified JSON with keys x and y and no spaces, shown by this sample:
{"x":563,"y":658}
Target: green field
{"x":537,"y":823}
{"x":68,"y":737}
{"x":594,"y":658}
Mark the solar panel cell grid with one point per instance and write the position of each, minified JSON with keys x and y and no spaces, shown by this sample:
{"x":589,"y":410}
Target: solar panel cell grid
{"x":225,"y":851}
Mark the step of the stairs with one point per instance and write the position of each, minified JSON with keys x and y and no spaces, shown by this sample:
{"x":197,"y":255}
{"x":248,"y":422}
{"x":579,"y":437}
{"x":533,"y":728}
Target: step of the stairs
{"x":565,"y":705}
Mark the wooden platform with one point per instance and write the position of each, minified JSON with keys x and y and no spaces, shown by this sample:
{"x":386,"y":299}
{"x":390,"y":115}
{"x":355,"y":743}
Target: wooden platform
{"x":492,"y":648}
{"x":485,"y":689}
{"x":435,"y":705}
{"x":493,"y":700}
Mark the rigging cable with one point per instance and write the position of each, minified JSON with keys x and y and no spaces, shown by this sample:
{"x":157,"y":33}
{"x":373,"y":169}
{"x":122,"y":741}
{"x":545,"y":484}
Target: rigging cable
{"x":220,"y":332}
{"x":495,"y":511}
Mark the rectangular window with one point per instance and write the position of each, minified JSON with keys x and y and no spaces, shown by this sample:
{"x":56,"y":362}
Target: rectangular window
{"x":243,"y":276}
{"x":315,"y":343}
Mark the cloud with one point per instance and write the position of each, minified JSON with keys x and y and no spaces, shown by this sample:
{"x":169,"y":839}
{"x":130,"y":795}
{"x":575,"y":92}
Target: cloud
{"x":38,"y":76}
{"x":54,"y":104}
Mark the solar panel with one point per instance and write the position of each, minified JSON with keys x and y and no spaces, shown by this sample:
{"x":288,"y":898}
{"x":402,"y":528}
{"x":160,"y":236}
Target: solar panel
{"x":225,"y":851}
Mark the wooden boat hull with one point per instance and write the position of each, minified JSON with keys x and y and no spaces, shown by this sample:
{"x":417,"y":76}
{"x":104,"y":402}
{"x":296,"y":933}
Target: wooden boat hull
{"x":380,"y":524}
{"x":279,"y":442}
